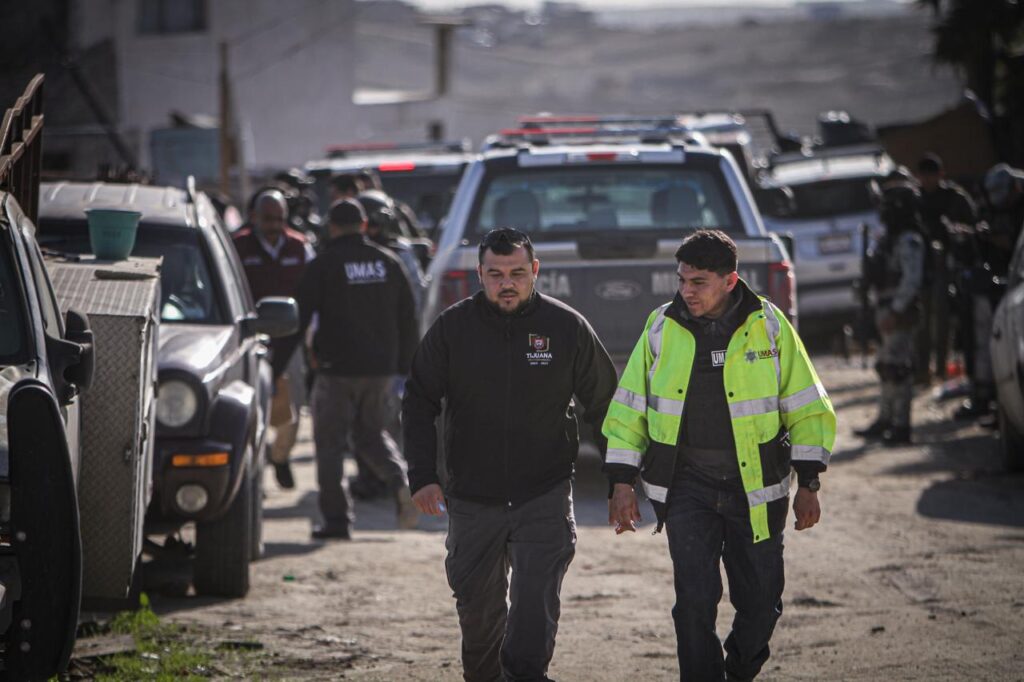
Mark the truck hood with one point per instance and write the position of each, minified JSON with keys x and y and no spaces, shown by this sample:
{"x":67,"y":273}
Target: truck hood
{"x":198,"y":349}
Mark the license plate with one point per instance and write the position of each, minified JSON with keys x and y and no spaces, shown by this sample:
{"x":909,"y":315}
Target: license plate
{"x":831,"y":244}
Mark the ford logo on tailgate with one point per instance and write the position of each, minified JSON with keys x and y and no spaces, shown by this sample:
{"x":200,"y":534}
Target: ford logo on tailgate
{"x":618,"y":290}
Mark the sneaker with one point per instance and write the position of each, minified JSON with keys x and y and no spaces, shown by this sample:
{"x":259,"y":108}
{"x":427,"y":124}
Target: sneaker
{"x":876,"y":429}
{"x":897,"y":435}
{"x":283,"y":474}
{"x":408,"y":515}
{"x":331,"y":532}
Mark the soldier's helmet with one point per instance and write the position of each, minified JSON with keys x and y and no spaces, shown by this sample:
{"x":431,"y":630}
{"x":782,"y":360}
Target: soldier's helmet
{"x":900,"y":206}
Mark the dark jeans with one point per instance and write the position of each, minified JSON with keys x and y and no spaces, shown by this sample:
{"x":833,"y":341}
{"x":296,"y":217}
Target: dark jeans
{"x":708,"y":522}
{"x":356,"y":408}
{"x":537,"y":540}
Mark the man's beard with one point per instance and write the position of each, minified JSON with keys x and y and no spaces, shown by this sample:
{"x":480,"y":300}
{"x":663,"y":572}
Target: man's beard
{"x":511,"y":311}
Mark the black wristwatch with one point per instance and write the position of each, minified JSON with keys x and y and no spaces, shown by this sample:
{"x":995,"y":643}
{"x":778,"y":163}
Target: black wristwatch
{"x":814,"y":485}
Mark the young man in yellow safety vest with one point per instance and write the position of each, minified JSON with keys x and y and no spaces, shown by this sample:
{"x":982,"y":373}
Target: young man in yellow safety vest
{"x":718,"y":402}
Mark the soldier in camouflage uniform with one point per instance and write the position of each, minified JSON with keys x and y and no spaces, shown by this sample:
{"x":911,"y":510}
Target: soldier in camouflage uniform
{"x":895,"y":273}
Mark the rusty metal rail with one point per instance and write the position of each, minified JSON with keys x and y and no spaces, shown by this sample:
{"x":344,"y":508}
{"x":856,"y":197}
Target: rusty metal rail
{"x":21,"y":148}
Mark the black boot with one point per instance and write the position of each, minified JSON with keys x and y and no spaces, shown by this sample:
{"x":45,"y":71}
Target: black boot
{"x":876,"y":429}
{"x":897,"y":435}
{"x":283,"y":474}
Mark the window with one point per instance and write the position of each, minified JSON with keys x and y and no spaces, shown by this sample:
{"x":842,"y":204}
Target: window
{"x":12,"y":310}
{"x":157,"y":17}
{"x":833,"y":197}
{"x":567,"y":202}
{"x":188,"y":286}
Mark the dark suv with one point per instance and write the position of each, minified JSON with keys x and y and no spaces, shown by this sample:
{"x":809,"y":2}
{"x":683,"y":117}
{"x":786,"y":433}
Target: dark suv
{"x":214,"y":377}
{"x":45,"y":361}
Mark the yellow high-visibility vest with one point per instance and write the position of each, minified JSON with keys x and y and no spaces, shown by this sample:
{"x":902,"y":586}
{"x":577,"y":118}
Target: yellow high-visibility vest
{"x":770,"y":385}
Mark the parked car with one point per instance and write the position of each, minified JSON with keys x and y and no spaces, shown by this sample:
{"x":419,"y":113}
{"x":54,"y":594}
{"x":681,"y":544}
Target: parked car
{"x":214,"y":377}
{"x":46,"y":360}
{"x":832,"y":194}
{"x":1007,"y":347}
{"x":423,"y":176}
{"x":606,"y":210}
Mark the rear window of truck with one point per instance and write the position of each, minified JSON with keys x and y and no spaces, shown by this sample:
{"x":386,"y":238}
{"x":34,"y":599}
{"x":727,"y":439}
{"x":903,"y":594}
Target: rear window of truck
{"x":565,"y":202}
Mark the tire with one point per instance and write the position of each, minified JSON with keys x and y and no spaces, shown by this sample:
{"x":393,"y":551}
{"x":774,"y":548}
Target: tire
{"x":256,"y":546}
{"x":1011,"y":443}
{"x":224,"y":547}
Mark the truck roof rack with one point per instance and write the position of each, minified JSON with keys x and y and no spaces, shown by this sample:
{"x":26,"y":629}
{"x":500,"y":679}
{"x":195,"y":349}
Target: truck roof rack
{"x":339,"y":151}
{"x":21,"y":148}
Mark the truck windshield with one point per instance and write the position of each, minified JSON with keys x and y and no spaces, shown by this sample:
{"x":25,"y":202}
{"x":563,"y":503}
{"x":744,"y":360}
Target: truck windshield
{"x":833,"y":197}
{"x":567,"y":202}
{"x":12,"y":310}
{"x":188,"y":291}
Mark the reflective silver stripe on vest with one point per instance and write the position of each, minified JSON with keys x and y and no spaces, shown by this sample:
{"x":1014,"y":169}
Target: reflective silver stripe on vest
{"x":749,"y":408}
{"x":769,"y":494}
{"x":654,"y":492}
{"x":654,"y":340}
{"x":632,"y":400}
{"x":774,"y":327}
{"x":667,"y":406}
{"x":802,"y":398}
{"x":810,"y":453}
{"x":622,"y":456}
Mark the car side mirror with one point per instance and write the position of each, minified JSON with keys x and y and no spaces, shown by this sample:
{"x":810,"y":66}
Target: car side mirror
{"x":776,"y":202}
{"x":275,"y":316}
{"x":77,"y":330}
{"x":787,"y":241}
{"x":71,"y":359}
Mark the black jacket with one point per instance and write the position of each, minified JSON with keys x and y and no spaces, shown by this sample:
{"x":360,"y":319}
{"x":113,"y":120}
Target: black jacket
{"x":507,"y":382}
{"x":363,"y":300}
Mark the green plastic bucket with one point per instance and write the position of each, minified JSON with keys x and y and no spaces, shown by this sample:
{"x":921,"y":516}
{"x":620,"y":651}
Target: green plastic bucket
{"x":112,"y":232}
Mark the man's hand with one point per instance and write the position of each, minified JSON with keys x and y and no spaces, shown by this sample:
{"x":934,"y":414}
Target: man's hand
{"x":623,"y":512}
{"x":806,"y":509}
{"x":429,"y":500}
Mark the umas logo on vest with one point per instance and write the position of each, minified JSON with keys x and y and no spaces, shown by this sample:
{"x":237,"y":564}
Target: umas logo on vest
{"x":753,"y":356}
{"x":540,"y":350}
{"x":369,"y":272}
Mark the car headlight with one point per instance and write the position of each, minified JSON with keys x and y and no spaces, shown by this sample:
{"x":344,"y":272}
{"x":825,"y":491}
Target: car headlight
{"x":176,"y":403}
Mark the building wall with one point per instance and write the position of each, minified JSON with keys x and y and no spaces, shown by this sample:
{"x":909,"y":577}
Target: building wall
{"x":291,"y":67}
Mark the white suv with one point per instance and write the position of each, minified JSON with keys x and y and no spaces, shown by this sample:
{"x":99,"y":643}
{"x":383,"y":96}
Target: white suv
{"x":834,"y":194}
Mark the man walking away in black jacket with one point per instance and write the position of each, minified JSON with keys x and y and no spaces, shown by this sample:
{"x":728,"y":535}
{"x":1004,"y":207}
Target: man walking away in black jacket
{"x":507,"y":363}
{"x":366,"y":333}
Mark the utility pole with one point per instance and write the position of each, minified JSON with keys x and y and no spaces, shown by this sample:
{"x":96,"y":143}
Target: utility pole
{"x":225,"y":140}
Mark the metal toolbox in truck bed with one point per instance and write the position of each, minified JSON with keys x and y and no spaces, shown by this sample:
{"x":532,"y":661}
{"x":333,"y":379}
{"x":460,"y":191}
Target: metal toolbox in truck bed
{"x":122,"y":300}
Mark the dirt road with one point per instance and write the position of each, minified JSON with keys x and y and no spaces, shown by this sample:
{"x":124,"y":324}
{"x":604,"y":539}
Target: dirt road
{"x":915,"y":573}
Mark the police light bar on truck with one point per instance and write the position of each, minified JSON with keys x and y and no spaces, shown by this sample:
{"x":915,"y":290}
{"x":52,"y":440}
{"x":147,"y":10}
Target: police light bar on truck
{"x":368,"y":148}
{"x":606,"y":154}
{"x":511,"y":137}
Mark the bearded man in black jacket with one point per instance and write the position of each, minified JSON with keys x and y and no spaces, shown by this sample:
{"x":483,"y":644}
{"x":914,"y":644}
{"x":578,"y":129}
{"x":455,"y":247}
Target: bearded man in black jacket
{"x":506,"y":364}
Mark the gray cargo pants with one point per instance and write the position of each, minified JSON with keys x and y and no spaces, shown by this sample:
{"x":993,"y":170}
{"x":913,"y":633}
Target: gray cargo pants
{"x":896,"y":368}
{"x":537,"y":540}
{"x":356,"y":407}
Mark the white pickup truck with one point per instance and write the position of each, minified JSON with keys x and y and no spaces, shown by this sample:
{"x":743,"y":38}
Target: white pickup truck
{"x":606,"y":213}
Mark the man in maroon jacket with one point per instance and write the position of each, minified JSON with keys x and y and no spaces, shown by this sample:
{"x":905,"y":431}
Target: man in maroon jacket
{"x":274,"y":257}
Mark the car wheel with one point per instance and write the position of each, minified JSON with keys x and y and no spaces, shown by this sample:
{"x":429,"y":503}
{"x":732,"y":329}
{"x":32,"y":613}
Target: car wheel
{"x":256,"y":551}
{"x":224,"y":547}
{"x":1011,"y":443}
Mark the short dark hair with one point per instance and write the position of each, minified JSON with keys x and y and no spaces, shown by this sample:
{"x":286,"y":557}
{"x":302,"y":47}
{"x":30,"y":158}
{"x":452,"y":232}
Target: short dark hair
{"x":710,"y":250}
{"x":345,"y":183}
{"x":503,"y":241}
{"x":930,"y":163}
